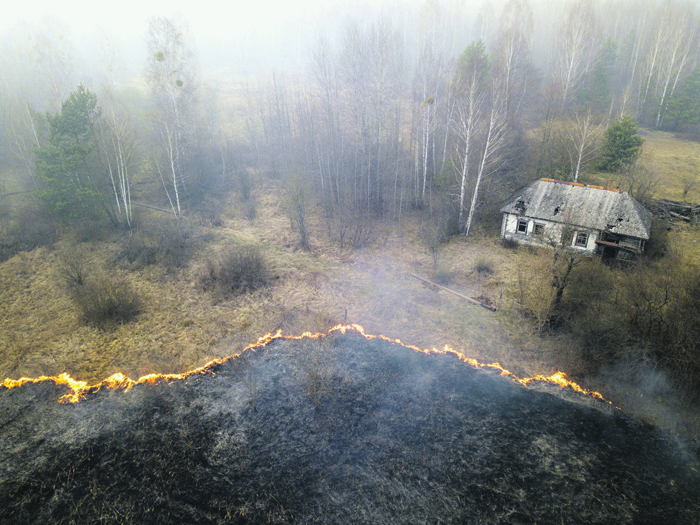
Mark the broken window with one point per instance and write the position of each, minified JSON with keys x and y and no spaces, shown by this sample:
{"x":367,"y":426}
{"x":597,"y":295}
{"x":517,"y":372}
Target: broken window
{"x":582,"y":239}
{"x":538,"y":229}
{"x":522,"y":226}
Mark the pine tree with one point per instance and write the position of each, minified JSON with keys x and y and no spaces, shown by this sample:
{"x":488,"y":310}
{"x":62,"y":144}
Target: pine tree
{"x":622,"y":145}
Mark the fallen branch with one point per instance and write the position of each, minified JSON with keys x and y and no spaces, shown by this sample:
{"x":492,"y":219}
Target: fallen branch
{"x":473,"y":301}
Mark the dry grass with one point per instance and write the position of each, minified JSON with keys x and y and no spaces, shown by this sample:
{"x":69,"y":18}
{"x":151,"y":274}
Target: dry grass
{"x":182,"y":327}
{"x":674,"y":161}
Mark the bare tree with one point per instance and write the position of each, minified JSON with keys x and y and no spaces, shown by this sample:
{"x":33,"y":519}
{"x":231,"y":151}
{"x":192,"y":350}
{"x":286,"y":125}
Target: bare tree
{"x":117,"y":146}
{"x":681,"y":44}
{"x":576,"y":47}
{"x":496,"y":137}
{"x":324,"y":74}
{"x":472,"y":78}
{"x":583,"y":132}
{"x":512,"y":51}
{"x":170,"y":75}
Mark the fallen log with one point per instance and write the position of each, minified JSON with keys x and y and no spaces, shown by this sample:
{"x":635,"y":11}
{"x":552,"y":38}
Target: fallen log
{"x":679,"y":216}
{"x":469,"y":299}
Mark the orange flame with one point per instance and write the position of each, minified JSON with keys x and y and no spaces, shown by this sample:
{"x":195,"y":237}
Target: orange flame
{"x":79,"y":389}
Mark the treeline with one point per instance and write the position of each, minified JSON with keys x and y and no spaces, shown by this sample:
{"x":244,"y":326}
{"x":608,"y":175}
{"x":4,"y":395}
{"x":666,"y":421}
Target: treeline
{"x":83,"y":158}
{"x":383,"y":121}
{"x":387,"y":117}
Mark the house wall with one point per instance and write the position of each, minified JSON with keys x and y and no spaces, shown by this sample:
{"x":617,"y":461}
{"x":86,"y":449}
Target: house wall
{"x":552,"y":232}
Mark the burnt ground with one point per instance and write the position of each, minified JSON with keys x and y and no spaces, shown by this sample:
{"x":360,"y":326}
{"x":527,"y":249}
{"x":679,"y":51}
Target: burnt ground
{"x":339,"y":431}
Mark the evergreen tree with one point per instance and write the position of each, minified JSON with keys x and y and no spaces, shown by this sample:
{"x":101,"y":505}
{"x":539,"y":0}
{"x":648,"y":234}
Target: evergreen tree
{"x":622,"y":145}
{"x":67,"y":163}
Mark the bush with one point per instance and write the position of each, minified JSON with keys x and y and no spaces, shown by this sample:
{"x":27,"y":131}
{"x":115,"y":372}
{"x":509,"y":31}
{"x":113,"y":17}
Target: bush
{"x":91,"y":230}
{"x":30,"y":229}
{"x":483,"y":266}
{"x":241,"y":270}
{"x":657,"y":245}
{"x":250,"y":208}
{"x":106,"y":303}
{"x":169,"y":246}
{"x":510,"y":244}
{"x":72,"y":268}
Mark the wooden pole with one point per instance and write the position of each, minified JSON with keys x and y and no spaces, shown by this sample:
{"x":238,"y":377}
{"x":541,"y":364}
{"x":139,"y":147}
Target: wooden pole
{"x":469,"y":299}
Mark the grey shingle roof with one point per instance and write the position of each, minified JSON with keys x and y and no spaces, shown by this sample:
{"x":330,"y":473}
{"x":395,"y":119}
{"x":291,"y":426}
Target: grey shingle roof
{"x":592,"y":207}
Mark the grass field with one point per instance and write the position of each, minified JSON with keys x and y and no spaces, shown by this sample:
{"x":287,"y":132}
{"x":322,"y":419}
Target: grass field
{"x":182,"y":327}
{"x":674,"y":163}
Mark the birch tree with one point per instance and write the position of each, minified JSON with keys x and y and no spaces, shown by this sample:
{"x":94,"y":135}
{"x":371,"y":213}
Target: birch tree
{"x":680,"y":49}
{"x":496,"y":137}
{"x":117,"y":145}
{"x":171,"y":78}
{"x":583,"y":132}
{"x":576,"y":47}
{"x":512,"y":52}
{"x":471,"y":78}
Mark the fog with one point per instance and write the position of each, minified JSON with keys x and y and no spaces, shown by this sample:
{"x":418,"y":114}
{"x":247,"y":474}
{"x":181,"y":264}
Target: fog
{"x":241,"y":35}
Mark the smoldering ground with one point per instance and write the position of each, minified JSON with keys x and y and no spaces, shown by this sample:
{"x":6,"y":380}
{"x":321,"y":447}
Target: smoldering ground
{"x":389,"y":436}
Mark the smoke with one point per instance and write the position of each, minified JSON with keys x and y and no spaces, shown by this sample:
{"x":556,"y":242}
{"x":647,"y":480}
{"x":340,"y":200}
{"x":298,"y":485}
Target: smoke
{"x":641,"y":389}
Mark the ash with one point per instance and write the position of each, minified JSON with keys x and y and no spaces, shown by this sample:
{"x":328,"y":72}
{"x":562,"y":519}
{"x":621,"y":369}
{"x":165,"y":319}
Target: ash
{"x":338,"y":430}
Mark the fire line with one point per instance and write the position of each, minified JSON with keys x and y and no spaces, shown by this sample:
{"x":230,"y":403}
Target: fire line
{"x":79,"y":389}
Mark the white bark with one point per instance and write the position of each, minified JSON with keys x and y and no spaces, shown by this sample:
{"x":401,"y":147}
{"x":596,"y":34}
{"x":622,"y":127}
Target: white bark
{"x":494,"y":141}
{"x":582,"y":144}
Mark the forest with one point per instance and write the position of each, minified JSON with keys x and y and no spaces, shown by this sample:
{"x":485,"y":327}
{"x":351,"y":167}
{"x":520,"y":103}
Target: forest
{"x":221,"y":201}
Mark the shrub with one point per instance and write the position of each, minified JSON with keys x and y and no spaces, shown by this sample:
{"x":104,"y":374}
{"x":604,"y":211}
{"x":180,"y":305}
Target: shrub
{"x":241,"y":270}
{"x":169,"y":246}
{"x":443,"y":277}
{"x":30,"y":229}
{"x":658,"y":243}
{"x":483,"y":266}
{"x":91,"y":230}
{"x":72,"y":268}
{"x":250,"y":208}
{"x":105,"y":302}
{"x":510,"y":244}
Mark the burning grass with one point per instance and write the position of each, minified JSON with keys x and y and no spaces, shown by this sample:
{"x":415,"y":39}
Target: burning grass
{"x":181,"y":326}
{"x":395,"y":436}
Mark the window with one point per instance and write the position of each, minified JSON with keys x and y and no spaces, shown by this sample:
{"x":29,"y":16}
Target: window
{"x":538,"y":229}
{"x":522,"y":226}
{"x":582,"y":239}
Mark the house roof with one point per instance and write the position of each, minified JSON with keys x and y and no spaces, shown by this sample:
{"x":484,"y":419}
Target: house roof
{"x":580,"y":205}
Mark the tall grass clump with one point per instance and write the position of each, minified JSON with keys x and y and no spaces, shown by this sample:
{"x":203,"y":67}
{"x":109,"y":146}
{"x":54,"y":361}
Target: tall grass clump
{"x":104,"y":302}
{"x":241,"y":270}
{"x":72,"y":268}
{"x":483,"y":266}
{"x":169,"y":246}
{"x":27,"y":230}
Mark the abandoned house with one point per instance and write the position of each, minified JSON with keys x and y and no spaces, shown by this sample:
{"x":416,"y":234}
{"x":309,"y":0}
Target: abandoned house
{"x":592,"y":219}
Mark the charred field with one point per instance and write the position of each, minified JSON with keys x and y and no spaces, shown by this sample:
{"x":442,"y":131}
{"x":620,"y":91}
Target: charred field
{"x":338,"y":429}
